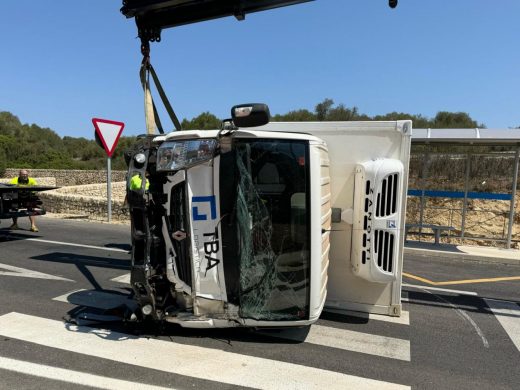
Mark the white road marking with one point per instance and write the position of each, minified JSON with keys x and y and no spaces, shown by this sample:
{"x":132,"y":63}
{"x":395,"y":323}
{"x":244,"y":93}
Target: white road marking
{"x":70,"y":376}
{"x":192,"y":361}
{"x":462,"y":314}
{"x":349,"y":340}
{"x":404,"y":319}
{"x":11,"y":270}
{"x":104,"y":248}
{"x":460,"y":292}
{"x":125,"y":279}
{"x":64,"y":297}
{"x":508,"y":314}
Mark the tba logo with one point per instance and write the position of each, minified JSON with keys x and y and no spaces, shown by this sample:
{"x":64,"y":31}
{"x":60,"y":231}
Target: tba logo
{"x":199,"y":215}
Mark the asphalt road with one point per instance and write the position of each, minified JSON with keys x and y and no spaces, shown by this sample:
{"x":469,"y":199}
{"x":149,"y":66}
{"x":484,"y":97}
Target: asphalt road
{"x":452,"y":339}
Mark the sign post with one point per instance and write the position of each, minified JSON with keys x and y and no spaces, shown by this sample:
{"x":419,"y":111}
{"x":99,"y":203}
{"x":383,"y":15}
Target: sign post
{"x":108,"y":133}
{"x":109,"y":189}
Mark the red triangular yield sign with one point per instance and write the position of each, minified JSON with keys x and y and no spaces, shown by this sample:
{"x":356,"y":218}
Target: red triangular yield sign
{"x":109,"y":133}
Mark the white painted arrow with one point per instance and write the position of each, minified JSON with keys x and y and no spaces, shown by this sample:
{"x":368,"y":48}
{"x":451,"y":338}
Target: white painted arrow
{"x":10,"y":270}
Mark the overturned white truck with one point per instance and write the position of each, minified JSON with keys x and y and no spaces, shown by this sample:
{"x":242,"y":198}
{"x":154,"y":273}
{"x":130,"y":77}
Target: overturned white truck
{"x":267,"y":226}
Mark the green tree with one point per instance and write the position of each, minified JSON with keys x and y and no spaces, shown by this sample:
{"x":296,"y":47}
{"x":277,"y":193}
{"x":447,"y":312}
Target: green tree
{"x":7,"y":144}
{"x":322,"y":109}
{"x":343,"y":113}
{"x":205,"y":121}
{"x":454,"y":120}
{"x":24,"y":145}
{"x":8,"y":123}
{"x":295,"y":116}
{"x":419,"y":121}
{"x":118,"y":158}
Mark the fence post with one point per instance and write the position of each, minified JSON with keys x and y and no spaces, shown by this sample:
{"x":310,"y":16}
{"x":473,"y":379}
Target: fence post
{"x":465,"y":202}
{"x":512,"y":205}
{"x":423,"y":189}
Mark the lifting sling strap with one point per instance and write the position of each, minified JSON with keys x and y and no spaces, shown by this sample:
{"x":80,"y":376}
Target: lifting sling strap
{"x":151,"y":115}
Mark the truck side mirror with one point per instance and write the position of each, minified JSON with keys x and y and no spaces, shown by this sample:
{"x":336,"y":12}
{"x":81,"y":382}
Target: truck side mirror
{"x":250,"y":115}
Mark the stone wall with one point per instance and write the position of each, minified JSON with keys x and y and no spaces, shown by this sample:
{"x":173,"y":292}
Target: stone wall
{"x":69,"y":177}
{"x":88,"y":201}
{"x":82,"y":193}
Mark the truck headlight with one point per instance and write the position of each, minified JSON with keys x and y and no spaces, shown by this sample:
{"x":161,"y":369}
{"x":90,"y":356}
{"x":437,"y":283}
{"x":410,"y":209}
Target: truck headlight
{"x":175,"y":155}
{"x":140,"y":158}
{"x":147,"y":309}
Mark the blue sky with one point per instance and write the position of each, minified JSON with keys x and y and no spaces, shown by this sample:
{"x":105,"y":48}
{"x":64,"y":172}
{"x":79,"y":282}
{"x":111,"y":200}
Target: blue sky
{"x":65,"y":62}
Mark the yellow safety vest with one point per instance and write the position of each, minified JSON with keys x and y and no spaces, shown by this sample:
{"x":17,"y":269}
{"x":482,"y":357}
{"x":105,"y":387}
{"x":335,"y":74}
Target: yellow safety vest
{"x":31,"y":182}
{"x":136,"y":182}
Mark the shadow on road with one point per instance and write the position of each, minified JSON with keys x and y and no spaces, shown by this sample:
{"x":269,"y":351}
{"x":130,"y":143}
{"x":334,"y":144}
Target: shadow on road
{"x":111,"y":310}
{"x":344,"y":318}
{"x":82,"y":261}
{"x":11,"y":235}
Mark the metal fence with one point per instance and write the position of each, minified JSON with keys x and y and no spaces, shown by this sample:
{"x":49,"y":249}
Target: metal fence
{"x":468,"y":187}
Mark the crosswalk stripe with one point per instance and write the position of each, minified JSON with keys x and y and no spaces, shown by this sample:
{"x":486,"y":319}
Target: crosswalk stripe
{"x":192,"y":361}
{"x":508,"y":314}
{"x":122,"y":279}
{"x":71,"y":376}
{"x":104,"y":248}
{"x":11,"y":270}
{"x":349,"y":340}
{"x":403,"y":319}
{"x":460,"y":292}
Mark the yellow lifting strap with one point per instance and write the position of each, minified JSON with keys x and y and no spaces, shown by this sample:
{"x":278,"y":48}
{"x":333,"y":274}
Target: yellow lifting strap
{"x":150,"y":111}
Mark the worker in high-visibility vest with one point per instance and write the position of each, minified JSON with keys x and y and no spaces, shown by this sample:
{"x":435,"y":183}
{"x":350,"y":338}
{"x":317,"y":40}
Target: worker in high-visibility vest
{"x":136,"y":183}
{"x":23,"y":179}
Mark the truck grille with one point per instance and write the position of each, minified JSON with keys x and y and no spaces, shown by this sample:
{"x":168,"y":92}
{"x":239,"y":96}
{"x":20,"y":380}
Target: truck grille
{"x":377,"y":218}
{"x":179,"y":223}
{"x":386,"y":203}
{"x":384,"y":249}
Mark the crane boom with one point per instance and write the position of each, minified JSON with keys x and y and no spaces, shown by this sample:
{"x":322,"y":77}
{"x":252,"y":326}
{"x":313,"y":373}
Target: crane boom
{"x":152,"y":16}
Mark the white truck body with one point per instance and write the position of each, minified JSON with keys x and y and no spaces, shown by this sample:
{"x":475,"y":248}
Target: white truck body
{"x":354,"y":146}
{"x":277,"y":223}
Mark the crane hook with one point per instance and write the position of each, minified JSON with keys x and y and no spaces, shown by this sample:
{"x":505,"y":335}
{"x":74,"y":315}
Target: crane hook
{"x":145,"y":51}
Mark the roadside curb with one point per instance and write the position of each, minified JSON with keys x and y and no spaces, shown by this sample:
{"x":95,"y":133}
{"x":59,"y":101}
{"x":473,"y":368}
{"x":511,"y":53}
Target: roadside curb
{"x":461,"y":256}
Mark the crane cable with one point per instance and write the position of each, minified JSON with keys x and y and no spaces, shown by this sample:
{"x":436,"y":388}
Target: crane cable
{"x":150,"y":110}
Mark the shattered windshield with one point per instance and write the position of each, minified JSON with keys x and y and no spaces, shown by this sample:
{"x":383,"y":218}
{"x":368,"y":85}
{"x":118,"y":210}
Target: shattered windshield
{"x":268,"y":227}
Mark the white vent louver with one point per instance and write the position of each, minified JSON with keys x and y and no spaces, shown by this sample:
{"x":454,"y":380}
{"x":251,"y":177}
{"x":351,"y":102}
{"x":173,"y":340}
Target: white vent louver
{"x":375,"y":233}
